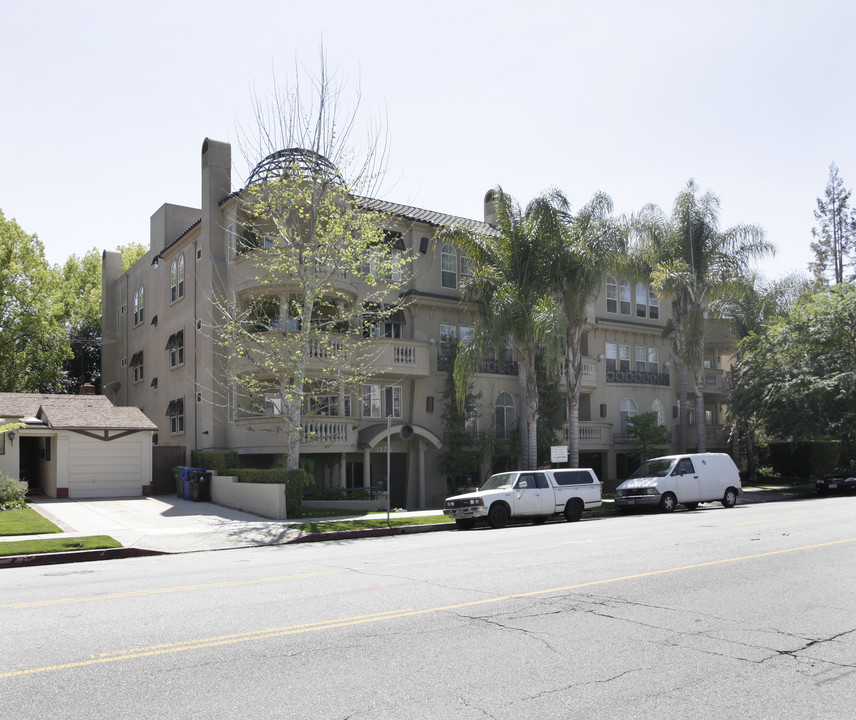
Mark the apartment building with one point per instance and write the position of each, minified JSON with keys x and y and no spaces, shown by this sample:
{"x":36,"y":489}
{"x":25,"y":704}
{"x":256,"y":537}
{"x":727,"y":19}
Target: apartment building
{"x":161,"y":354}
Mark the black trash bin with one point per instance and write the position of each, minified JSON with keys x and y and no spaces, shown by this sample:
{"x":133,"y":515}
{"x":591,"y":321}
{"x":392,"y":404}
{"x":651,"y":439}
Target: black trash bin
{"x":200,"y":485}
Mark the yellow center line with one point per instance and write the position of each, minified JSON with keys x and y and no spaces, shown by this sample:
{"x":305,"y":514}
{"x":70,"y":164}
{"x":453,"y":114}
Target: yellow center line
{"x":389,"y":615}
{"x":323,"y":573}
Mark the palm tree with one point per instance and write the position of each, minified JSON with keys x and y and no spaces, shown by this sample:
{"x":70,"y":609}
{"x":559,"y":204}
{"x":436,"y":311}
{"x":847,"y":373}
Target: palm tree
{"x":590,"y":246}
{"x":510,"y":284}
{"x":695,"y":263}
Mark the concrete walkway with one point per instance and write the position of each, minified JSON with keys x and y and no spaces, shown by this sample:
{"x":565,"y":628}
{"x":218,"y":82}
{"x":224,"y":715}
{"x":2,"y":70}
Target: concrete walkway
{"x":168,"y":524}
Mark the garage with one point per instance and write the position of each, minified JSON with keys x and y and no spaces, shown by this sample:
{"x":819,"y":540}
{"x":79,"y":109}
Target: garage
{"x":77,"y":446}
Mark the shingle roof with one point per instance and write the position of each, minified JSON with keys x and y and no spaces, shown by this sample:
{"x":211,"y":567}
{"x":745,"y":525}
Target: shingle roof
{"x":430,"y":217}
{"x":89,"y":412}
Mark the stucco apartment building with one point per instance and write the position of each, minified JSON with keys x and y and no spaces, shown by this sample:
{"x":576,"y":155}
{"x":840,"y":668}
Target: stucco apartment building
{"x":160,"y":353}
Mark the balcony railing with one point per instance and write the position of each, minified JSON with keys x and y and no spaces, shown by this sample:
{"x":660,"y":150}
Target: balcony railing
{"x":491,"y":366}
{"x":327,"y":432}
{"x":637,"y":378}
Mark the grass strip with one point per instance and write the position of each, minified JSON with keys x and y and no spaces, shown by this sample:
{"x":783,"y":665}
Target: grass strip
{"x":25,"y":521}
{"x":378,"y":522}
{"x":37,"y":547}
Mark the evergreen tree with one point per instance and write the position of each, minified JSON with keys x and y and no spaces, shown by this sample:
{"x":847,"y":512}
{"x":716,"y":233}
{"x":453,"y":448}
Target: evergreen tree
{"x":835,"y":236}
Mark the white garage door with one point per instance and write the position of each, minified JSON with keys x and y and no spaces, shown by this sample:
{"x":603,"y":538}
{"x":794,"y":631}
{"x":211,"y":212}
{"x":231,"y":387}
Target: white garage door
{"x":105,"y":469}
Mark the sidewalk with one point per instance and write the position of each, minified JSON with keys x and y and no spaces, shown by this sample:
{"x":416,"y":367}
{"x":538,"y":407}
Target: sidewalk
{"x":167,"y":524}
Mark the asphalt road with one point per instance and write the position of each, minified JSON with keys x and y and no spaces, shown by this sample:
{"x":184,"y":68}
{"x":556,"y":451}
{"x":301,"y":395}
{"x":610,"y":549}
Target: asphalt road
{"x":741,"y":613}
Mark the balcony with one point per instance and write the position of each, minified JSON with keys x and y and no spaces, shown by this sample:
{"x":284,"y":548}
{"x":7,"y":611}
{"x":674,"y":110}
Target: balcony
{"x":716,"y":382}
{"x":592,"y":434}
{"x":490,"y":366}
{"x":396,"y":358}
{"x":631,"y":377}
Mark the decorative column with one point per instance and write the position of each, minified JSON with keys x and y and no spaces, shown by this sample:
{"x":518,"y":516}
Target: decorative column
{"x":421,"y":471}
{"x":343,"y":472}
{"x":367,"y":468}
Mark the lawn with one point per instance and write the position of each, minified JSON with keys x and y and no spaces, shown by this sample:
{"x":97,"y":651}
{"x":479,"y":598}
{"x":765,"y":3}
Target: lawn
{"x":35,"y":547}
{"x":25,"y":522}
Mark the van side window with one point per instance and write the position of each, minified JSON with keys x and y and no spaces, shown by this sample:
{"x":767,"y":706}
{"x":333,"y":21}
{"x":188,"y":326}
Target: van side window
{"x":685,"y":466}
{"x":573,"y":477}
{"x":541,"y":479}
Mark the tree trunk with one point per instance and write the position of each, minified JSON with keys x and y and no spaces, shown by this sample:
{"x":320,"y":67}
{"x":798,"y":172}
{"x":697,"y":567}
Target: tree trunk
{"x":701,"y":431}
{"x":683,"y":409}
{"x":523,"y":414}
{"x":573,"y":378}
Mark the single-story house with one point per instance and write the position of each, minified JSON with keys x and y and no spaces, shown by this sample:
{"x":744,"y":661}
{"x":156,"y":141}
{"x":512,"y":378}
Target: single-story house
{"x":76,"y":446}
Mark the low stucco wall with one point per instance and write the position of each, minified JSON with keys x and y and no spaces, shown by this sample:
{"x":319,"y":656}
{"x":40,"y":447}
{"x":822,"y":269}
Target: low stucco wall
{"x":377,"y":503}
{"x":265,"y":499}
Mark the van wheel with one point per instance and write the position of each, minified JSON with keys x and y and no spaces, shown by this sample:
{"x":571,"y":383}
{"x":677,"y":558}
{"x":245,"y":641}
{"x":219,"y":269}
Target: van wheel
{"x":691,"y":506}
{"x":668,"y":502}
{"x":573,"y":510}
{"x":729,"y":500}
{"x":465,"y":523}
{"x":498,"y":515}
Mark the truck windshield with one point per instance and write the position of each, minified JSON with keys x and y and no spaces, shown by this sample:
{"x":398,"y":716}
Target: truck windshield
{"x":654,"y":468}
{"x":495,"y":482}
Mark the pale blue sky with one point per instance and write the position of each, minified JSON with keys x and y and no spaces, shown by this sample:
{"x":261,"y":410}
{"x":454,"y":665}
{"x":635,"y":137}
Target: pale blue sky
{"x":105,"y":105}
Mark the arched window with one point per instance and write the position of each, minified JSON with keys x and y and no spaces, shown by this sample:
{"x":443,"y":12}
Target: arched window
{"x":181,"y":276}
{"x":448,"y":267}
{"x":641,"y":300}
{"x":136,"y":307}
{"x":624,"y":297}
{"x":657,"y":407}
{"x":611,"y":295}
{"x":505,"y":416}
{"x":176,"y":279}
{"x":628,"y":410}
{"x":142,"y":304}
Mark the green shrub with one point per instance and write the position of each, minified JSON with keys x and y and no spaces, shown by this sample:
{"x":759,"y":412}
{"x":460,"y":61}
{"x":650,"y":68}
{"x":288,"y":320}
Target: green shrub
{"x":294,"y":480}
{"x":13,"y":493}
{"x":219,"y":461}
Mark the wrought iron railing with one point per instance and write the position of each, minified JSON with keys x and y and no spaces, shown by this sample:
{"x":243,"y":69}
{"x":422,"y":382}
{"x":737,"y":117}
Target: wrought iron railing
{"x":637,"y":378}
{"x":489,"y":365}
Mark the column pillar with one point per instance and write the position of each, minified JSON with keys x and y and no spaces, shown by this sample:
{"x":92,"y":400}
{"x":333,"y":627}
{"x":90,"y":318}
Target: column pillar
{"x":421,"y":470}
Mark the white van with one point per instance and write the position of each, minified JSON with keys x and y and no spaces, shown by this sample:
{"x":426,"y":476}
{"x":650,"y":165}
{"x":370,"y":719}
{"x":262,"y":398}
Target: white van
{"x":686,"y":479}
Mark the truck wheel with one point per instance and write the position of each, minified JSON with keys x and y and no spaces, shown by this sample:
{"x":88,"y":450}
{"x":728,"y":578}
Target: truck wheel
{"x":691,"y":506}
{"x":668,"y":502}
{"x":465,"y":523}
{"x":729,"y":500}
{"x":498,"y":515}
{"x":573,"y":510}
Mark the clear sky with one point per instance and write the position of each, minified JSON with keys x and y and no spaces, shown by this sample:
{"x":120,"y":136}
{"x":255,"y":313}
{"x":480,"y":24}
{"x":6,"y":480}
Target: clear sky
{"x":105,"y":104}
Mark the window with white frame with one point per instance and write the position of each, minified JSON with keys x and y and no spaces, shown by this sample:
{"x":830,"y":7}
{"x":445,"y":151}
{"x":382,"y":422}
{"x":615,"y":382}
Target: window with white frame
{"x":175,"y":348}
{"x":653,"y":304}
{"x":139,"y":306}
{"x":176,"y":279}
{"x":653,"y":360}
{"x":611,"y":295}
{"x":641,"y":359}
{"x":329,"y":405}
{"x":624,"y":358}
{"x":448,"y":340}
{"x":466,"y":267}
{"x":505,"y":415}
{"x":449,"y":267}
{"x":628,"y":410}
{"x":641,"y":300}
{"x":273,"y":403}
{"x":624,"y":297}
{"x":137,"y":366}
{"x":175,"y":412}
{"x":657,"y":407}
{"x":371,"y":401}
{"x":611,"y":354}
{"x":393,"y":401}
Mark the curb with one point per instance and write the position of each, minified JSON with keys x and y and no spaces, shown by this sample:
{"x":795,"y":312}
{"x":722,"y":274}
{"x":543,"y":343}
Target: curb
{"x":75,"y":556}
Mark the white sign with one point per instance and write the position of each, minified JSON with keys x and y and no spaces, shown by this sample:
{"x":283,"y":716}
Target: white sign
{"x":558,"y":453}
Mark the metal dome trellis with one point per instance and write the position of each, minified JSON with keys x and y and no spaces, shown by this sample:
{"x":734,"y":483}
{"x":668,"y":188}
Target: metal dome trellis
{"x":307,"y":164}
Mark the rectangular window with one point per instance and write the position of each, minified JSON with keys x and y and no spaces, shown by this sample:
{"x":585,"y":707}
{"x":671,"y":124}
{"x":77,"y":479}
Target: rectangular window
{"x":371,"y":401}
{"x":273,"y":404}
{"x":624,"y":297}
{"x":137,"y":366}
{"x":175,"y":347}
{"x":611,"y":357}
{"x":641,"y":301}
{"x":641,"y":356}
{"x":624,"y":358}
{"x":448,"y":267}
{"x":393,"y":401}
{"x":653,"y":360}
{"x":653,"y":304}
{"x":175,"y":412}
{"x":448,"y":340}
{"x":466,"y":267}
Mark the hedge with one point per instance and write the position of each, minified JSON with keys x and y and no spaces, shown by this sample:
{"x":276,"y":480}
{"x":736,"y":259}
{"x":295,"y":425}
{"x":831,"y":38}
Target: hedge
{"x":294,"y":480}
{"x":217,"y":460}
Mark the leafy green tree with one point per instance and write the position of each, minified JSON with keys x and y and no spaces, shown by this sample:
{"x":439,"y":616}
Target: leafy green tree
{"x":510,"y":285}
{"x":326,"y":274}
{"x":695,"y":263}
{"x":33,"y":342}
{"x":835,"y":236}
{"x":797,"y":377}
{"x":592,"y":243}
{"x":551,"y":408}
{"x":646,"y":435}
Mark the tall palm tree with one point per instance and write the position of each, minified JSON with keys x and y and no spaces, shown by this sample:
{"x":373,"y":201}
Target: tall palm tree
{"x":695,"y":263}
{"x":591,"y":245}
{"x":509,"y":281}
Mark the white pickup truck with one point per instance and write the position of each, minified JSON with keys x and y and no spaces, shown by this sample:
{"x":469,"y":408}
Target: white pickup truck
{"x":536,"y":494}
